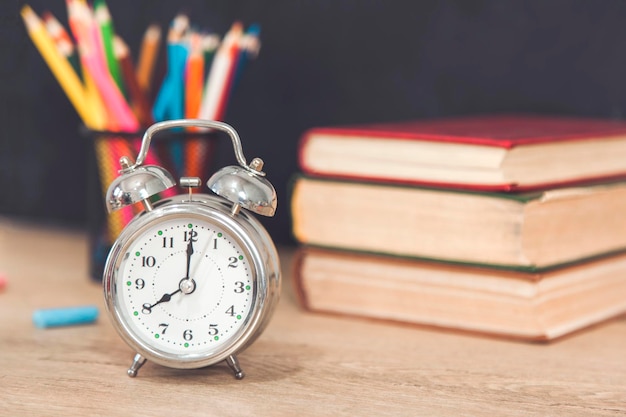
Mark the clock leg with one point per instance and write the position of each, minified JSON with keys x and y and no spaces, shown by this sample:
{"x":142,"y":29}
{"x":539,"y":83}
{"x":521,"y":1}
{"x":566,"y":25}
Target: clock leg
{"x":138,"y":362}
{"x":233,"y":363}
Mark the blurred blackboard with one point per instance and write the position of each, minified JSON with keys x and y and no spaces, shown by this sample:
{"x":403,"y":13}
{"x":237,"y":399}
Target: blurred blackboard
{"x":324,"y":62}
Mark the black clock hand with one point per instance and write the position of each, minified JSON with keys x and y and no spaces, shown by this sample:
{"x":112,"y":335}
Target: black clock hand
{"x":189,"y":253}
{"x":164,"y":299}
{"x":186,"y":285}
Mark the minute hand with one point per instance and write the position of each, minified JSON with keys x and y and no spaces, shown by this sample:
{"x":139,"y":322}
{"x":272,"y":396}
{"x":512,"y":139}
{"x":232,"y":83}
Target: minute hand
{"x":189,"y":253}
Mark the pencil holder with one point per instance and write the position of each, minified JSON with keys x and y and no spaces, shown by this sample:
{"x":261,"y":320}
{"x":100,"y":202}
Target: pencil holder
{"x":181,"y":153}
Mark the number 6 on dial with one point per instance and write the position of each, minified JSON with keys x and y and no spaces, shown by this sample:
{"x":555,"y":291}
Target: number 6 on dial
{"x":192,"y":280}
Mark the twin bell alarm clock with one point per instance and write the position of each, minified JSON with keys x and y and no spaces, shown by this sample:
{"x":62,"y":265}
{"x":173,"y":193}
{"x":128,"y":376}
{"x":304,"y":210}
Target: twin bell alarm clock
{"x":192,"y":280}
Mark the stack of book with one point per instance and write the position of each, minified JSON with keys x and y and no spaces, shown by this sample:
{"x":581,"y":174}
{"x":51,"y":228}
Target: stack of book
{"x":506,"y":225}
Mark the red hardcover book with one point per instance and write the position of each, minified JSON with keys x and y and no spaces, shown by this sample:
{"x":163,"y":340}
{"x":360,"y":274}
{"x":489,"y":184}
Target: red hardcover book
{"x":500,"y":153}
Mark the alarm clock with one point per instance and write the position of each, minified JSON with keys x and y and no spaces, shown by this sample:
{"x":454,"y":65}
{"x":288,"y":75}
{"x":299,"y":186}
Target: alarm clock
{"x":192,"y":280}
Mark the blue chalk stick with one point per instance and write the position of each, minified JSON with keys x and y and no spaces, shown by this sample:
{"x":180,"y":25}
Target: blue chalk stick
{"x":54,"y":317}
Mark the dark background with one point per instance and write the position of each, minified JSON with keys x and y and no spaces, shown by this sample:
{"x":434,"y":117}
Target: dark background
{"x":323,"y":62}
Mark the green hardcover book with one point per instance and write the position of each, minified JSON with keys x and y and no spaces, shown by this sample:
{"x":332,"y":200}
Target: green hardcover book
{"x":528,"y":231}
{"x":522,"y":305}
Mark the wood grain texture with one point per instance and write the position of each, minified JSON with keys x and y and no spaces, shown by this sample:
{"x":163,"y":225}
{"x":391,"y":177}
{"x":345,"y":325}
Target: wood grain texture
{"x":303,"y":365}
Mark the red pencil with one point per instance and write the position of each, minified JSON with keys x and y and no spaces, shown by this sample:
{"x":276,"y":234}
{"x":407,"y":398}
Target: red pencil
{"x":139,"y":102}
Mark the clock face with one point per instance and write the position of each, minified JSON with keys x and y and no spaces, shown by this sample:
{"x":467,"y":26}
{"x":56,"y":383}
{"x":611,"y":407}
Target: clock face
{"x":185,"y":286}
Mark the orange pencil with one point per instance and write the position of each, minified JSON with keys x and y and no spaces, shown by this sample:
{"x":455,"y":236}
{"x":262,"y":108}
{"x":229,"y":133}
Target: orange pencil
{"x":195,"y":146}
{"x":194,"y":77}
{"x":147,"y":57}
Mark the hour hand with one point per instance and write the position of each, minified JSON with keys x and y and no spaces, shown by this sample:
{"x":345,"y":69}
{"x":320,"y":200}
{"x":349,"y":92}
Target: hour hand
{"x":147,"y":307}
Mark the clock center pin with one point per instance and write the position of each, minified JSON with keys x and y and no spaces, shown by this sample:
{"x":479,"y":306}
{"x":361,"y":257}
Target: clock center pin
{"x":187,"y":285}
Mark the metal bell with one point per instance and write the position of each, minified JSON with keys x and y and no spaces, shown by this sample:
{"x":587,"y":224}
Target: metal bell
{"x":136,"y":184}
{"x":245,"y":186}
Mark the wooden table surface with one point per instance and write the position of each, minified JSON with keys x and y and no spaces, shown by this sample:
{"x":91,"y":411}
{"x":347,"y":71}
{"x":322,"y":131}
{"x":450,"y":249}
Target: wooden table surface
{"x":303,"y":365}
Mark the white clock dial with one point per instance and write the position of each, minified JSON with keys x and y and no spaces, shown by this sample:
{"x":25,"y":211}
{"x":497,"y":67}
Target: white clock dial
{"x":185,"y":286}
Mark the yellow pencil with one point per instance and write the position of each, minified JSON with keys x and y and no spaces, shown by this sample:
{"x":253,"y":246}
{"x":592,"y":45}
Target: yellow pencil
{"x":94,"y":103}
{"x":60,"y":67}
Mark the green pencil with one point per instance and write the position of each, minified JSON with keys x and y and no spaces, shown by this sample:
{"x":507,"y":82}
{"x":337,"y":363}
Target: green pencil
{"x":103,"y":18}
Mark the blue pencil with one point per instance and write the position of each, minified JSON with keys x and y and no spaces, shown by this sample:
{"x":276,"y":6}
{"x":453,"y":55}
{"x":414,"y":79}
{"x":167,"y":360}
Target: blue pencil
{"x":170,"y":101}
{"x":249,"y":50}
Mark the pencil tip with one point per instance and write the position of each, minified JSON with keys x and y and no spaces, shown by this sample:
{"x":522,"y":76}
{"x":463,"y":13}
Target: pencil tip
{"x":178,"y":27}
{"x":26,"y":9}
{"x":254,"y":29}
{"x":180,"y":22}
{"x":120,"y":48}
{"x":29,"y":16}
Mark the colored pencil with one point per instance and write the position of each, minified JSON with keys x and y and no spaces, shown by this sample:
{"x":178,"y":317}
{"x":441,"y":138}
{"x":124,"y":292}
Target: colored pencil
{"x":107,"y":33}
{"x":169,"y":103}
{"x":66,"y":47}
{"x":147,"y":57}
{"x":221,"y":75}
{"x":194,"y":80}
{"x":95,"y":104}
{"x":194,"y":77}
{"x":139,"y":102}
{"x":250,"y":47}
{"x":62,"y":40}
{"x":60,"y":67}
{"x":198,"y":147}
{"x":210,"y":43}
{"x":87,"y":34}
